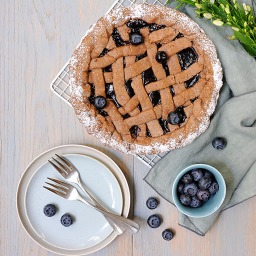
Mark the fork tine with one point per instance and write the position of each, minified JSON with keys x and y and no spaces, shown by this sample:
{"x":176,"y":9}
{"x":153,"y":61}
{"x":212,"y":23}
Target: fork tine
{"x":56,"y":192}
{"x":62,"y":183}
{"x":58,"y":187}
{"x":57,"y":168}
{"x":64,"y":166}
{"x":65,"y":161}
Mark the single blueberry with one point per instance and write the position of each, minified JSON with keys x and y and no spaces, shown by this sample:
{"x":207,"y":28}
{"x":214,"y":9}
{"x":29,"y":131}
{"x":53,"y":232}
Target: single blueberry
{"x":203,"y":195}
{"x":167,"y":234}
{"x":205,"y":182}
{"x":161,"y":57}
{"x":100,"y":102}
{"x":213,"y":188}
{"x":136,"y":38}
{"x":186,"y":178}
{"x":190,"y":189}
{"x":208,"y":174}
{"x":195,"y":202}
{"x":185,"y":199}
{"x":219,"y":143}
{"x":174,"y":118}
{"x":66,"y":220}
{"x":50,"y":210}
{"x":154,"y":221}
{"x":197,"y":174}
{"x":180,"y":187}
{"x":152,"y":203}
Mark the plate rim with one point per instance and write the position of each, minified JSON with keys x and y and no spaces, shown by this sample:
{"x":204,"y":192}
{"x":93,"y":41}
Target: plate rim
{"x":96,"y":155}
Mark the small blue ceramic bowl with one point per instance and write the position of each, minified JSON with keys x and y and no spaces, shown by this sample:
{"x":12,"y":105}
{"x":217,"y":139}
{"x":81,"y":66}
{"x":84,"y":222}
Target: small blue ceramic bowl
{"x":209,"y":207}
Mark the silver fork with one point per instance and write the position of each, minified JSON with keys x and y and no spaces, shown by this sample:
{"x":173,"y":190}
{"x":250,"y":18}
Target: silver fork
{"x":70,"y":173}
{"x":69,"y":192}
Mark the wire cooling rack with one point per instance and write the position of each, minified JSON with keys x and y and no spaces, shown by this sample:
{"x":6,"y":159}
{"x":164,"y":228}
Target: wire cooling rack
{"x":60,"y":84}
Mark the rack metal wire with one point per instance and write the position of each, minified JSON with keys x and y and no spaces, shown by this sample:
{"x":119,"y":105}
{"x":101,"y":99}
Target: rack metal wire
{"x":60,"y":84}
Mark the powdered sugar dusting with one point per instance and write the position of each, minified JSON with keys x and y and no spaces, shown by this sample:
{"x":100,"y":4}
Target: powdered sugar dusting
{"x":185,"y":25}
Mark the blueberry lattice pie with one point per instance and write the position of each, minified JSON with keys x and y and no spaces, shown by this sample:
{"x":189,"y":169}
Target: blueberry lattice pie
{"x":145,"y":79}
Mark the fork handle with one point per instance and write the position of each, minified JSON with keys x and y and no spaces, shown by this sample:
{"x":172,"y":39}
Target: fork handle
{"x":124,"y":222}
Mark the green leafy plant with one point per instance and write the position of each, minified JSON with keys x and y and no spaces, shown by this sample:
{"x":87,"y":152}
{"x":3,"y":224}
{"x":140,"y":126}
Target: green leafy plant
{"x":240,"y":17}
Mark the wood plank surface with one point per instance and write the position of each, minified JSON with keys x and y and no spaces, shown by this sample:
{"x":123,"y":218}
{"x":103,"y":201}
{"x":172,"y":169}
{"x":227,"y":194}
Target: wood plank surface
{"x":37,"y":38}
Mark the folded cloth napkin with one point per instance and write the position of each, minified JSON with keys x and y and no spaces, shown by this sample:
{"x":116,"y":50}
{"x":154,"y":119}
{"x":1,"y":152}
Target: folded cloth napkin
{"x":234,"y":119}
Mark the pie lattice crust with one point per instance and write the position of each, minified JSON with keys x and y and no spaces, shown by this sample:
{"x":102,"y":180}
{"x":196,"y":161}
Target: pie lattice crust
{"x":140,"y":91}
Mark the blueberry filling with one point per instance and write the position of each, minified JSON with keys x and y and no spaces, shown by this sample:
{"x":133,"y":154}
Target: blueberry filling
{"x":189,"y":83}
{"x":193,"y":100}
{"x":148,"y":134}
{"x":158,"y":45}
{"x":103,"y":113}
{"x":126,"y":116}
{"x":187,"y":57}
{"x":172,"y":91}
{"x":104,"y":52}
{"x":166,"y":69}
{"x":178,"y":36}
{"x":141,"y":56}
{"x":111,"y":94}
{"x":136,"y":24}
{"x":92,"y":96}
{"x":108,"y":69}
{"x":155,"y":27}
{"x":139,"y":107}
{"x":148,"y":76}
{"x":155,"y":98}
{"x":135,"y":130}
{"x":164,"y":125}
{"x":117,"y":38}
{"x":129,"y":88}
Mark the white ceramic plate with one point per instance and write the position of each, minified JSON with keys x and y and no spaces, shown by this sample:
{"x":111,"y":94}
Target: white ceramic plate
{"x":90,"y":230}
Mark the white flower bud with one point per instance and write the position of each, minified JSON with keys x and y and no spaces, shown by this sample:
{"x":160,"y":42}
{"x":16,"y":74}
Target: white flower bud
{"x":245,"y":24}
{"x":199,"y":6}
{"x":227,"y":9}
{"x":245,"y":8}
{"x":207,"y":15}
{"x":212,"y":1}
{"x":236,"y":29}
{"x":217,"y":22}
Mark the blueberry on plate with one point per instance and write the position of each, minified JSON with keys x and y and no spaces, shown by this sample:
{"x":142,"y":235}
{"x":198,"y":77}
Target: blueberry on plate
{"x":180,"y":187}
{"x":154,"y":221}
{"x":152,"y":203}
{"x":213,"y":188}
{"x":219,"y":143}
{"x":136,"y":38}
{"x":195,"y":202}
{"x":203,"y":195}
{"x":205,"y":182}
{"x":161,"y":57}
{"x":66,"y":220}
{"x":185,"y":199}
{"x":167,"y":234}
{"x":186,"y":178}
{"x":50,"y":210}
{"x":197,"y":174}
{"x":100,"y":102}
{"x":190,"y":189}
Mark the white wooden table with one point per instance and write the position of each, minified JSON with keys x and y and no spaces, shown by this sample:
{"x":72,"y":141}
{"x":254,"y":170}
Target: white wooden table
{"x":37,"y":38}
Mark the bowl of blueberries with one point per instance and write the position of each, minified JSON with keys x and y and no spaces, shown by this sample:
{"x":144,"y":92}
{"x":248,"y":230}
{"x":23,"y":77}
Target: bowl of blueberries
{"x":199,"y":190}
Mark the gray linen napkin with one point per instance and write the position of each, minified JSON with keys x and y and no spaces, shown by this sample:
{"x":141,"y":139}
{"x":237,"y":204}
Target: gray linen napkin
{"x":234,"y":119}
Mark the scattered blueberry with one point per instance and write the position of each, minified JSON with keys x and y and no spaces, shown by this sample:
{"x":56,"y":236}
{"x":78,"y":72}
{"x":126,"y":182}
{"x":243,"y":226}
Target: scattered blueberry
{"x":190,"y":189}
{"x":213,"y":188}
{"x":186,"y":178}
{"x":50,"y":210}
{"x":195,"y":202}
{"x":219,"y":143}
{"x":152,"y":203}
{"x":136,"y":38}
{"x":167,"y":234}
{"x":180,"y":187}
{"x":161,"y":57}
{"x":185,"y":199}
{"x":66,"y":220}
{"x":203,"y":195}
{"x":100,"y":102}
{"x":154,"y":221}
{"x":197,"y":174}
{"x":204,"y":182}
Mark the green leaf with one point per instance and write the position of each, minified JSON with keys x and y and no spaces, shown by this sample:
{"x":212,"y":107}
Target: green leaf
{"x":250,"y":50}
{"x":244,"y":39}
